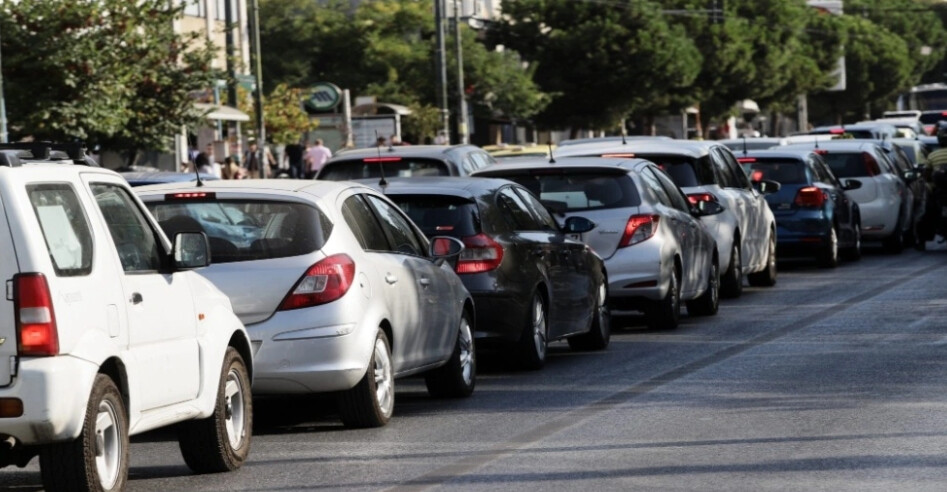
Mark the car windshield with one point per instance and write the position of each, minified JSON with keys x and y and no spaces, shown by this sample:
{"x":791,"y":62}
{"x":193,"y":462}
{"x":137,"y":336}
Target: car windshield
{"x":846,"y":165}
{"x":371,"y":167}
{"x":441,"y":215}
{"x":574,"y":190}
{"x":784,"y":171}
{"x":245,"y":230}
{"x":684,"y":171}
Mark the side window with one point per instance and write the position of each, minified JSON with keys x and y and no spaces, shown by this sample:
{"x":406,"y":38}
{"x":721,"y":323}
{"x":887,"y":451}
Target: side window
{"x":64,"y":226}
{"x":400,"y":232}
{"x":678,"y":200}
{"x":135,"y":240}
{"x":820,"y":172}
{"x":516,"y":212}
{"x":735,"y":173}
{"x":480,"y":159}
{"x":539,"y":210}
{"x":361,"y":220}
{"x":887,"y":166}
{"x":651,"y":181}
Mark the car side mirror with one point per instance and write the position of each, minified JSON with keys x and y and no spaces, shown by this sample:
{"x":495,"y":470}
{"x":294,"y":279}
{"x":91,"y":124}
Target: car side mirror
{"x":767,"y":186}
{"x":446,"y":249}
{"x":851,"y":184}
{"x":910,"y":176}
{"x":578,"y":225}
{"x":191,"y":250}
{"x":704,"y":208}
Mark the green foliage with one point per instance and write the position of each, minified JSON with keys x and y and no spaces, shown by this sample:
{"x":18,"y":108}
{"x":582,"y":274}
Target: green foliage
{"x":107,"y":71}
{"x":283,"y":115}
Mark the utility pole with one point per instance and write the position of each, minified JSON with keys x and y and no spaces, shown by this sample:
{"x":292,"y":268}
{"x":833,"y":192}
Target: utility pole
{"x":462,"y":133}
{"x":258,"y":89}
{"x":3,"y":109}
{"x":441,"y":66}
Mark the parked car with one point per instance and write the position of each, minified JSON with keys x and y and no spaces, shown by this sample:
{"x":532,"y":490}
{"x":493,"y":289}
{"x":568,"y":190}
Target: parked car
{"x":745,"y":232}
{"x":405,"y":161}
{"x":814,"y":216}
{"x":738,"y":145}
{"x":506,"y":152}
{"x":930,"y":118}
{"x":610,"y":139}
{"x":906,"y":127}
{"x":531,"y":282}
{"x":339,"y":291}
{"x":883,"y":199}
{"x":143,"y":178}
{"x":106,"y":331}
{"x":870,"y":130}
{"x":656,"y":251}
{"x":912,"y":173}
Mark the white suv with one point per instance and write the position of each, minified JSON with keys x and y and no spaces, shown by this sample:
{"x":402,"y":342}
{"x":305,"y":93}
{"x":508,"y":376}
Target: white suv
{"x":104,"y":331}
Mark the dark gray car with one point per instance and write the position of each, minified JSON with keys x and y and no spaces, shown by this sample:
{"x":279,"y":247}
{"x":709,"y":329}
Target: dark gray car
{"x":405,"y":161}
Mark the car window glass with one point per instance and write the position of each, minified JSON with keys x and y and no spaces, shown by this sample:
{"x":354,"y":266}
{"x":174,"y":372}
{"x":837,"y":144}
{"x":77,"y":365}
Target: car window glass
{"x":734,"y":171}
{"x":575,"y":190}
{"x":372,"y":167}
{"x":651,"y":182}
{"x":685,"y":171}
{"x":363,"y":224}
{"x":397,"y":227}
{"x":539,"y":210}
{"x":725,"y":177}
{"x":678,"y":200}
{"x":783,"y":171}
{"x":134,"y":238}
{"x":516,"y":212}
{"x":441,"y":215}
{"x":65,"y":228}
{"x":886,"y":163}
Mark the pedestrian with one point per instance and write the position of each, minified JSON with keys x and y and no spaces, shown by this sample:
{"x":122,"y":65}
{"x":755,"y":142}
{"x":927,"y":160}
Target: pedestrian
{"x":251,"y":161}
{"x":231,"y":170}
{"x":397,"y":142}
{"x":316,"y":156}
{"x":202,"y":163}
{"x":441,"y":138}
{"x":380,"y":142}
{"x":294,"y":155}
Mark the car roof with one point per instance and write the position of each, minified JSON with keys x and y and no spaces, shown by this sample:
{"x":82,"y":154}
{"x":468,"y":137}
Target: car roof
{"x":838,"y":144}
{"x":157,"y":177}
{"x":780,"y":153}
{"x":590,"y":163}
{"x":465,"y":187}
{"x":618,"y":138}
{"x":433,"y":151}
{"x":287,"y":187}
{"x":690,"y":148}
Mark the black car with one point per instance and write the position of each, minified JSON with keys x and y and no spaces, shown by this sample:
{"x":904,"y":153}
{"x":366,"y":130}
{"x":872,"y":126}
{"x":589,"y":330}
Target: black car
{"x":405,"y":161}
{"x":531,"y":282}
{"x":814,"y":216}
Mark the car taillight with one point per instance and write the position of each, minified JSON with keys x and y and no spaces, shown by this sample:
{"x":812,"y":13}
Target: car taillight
{"x":324,"y":282}
{"x":810,"y":196}
{"x":35,"y":318}
{"x":745,"y":160}
{"x":638,"y":228}
{"x":871,"y":164}
{"x":480,"y":254}
{"x":701,"y":197}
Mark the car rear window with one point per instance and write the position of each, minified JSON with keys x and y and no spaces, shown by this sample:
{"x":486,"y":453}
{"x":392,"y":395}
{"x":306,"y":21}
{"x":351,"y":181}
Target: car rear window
{"x":371,"y":167}
{"x":684,"y":171}
{"x":439,"y":215}
{"x":246,"y":230}
{"x":846,"y":165}
{"x":784,"y":171}
{"x":931,"y":118}
{"x":572,"y":190}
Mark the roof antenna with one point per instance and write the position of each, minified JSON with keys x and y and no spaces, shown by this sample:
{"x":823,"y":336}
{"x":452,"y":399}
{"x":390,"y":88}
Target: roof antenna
{"x":552,"y":159}
{"x":381,"y":167}
{"x":624,"y":141}
{"x":816,"y":142}
{"x":744,"y":145}
{"x":197,"y":172}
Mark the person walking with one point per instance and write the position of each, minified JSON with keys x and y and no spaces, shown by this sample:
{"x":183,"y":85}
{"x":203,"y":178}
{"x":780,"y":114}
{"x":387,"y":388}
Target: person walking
{"x":294,"y":156}
{"x":231,"y":170}
{"x":316,"y":156}
{"x":251,"y":161}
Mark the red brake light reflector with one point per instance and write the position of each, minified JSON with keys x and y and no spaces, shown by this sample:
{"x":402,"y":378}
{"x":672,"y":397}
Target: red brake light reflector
{"x":35,"y":318}
{"x":381,"y":159}
{"x":757,"y":175}
{"x":809,"y":197}
{"x":821,"y":151}
{"x":324,"y":282}
{"x":480,"y":254}
{"x":837,"y":131}
{"x":744,"y":160}
{"x":193,"y":195}
{"x":638,"y":229}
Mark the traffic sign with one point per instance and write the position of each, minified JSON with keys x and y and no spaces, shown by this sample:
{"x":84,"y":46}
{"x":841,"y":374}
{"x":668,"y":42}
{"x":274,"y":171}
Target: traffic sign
{"x":323,"y":96}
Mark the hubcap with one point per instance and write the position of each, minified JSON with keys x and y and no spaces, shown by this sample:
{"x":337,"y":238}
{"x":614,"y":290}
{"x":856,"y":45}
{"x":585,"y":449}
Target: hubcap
{"x":539,"y":327}
{"x":235,"y":412}
{"x":108,"y":444}
{"x":384,"y":385}
{"x":466,"y":351}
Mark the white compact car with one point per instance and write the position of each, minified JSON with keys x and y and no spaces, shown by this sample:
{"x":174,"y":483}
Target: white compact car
{"x":105,"y":331}
{"x":339,"y":290}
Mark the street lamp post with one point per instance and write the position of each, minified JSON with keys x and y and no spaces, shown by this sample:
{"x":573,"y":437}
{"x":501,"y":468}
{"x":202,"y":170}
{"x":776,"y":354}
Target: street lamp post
{"x":258,"y":92}
{"x":462,"y":133}
{"x":3,"y":109}
{"x":441,"y":66}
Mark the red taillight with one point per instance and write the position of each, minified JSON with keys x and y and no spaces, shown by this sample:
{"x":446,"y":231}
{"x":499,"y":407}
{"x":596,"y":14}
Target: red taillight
{"x":35,"y":318}
{"x":480,"y":254}
{"x":837,"y":131}
{"x":744,"y":160}
{"x":871,"y":165}
{"x":381,"y":159}
{"x":821,"y":151}
{"x":756,"y":176}
{"x":639,"y":228}
{"x":195,"y":196}
{"x":701,"y":197}
{"x":324,"y":282}
{"x":810,"y":196}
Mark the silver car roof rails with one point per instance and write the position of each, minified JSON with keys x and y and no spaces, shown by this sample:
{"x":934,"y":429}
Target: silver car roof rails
{"x":48,"y":151}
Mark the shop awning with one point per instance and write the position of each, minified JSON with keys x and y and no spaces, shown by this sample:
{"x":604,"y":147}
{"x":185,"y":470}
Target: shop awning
{"x":225,"y":113}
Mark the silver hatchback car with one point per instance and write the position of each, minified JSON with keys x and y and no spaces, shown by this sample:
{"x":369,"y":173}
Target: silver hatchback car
{"x":655,"y":247}
{"x":338,"y":289}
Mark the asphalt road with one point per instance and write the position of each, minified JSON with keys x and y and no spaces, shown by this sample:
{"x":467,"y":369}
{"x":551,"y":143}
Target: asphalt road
{"x":831,"y":380}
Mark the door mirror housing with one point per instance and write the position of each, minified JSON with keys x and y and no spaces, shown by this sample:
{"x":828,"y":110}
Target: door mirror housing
{"x":578,"y":225}
{"x":446,"y":249}
{"x":767,"y":186}
{"x":704,"y":208}
{"x":851,"y":184}
{"x":191,"y":250}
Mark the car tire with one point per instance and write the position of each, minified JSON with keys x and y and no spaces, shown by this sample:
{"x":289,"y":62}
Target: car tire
{"x":666,"y":313}
{"x":854,"y":252}
{"x":221,"y":442}
{"x":98,"y":458}
{"x":457,"y":378}
{"x":600,"y":331}
{"x":534,"y":340}
{"x":767,"y":276}
{"x":709,"y":302}
{"x":894,"y":243}
{"x":371,"y":402}
{"x":828,"y":256}
{"x":731,"y":283}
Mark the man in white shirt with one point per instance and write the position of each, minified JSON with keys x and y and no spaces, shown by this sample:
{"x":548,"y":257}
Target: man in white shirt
{"x":316,"y":156}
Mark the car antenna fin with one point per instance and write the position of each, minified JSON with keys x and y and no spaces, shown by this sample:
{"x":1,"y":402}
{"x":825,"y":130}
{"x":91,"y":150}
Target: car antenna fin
{"x":744,"y":145}
{"x":552,"y":158}
{"x":624,"y":141}
{"x":816,"y":142}
{"x":197,"y":172}
{"x":381,"y":166}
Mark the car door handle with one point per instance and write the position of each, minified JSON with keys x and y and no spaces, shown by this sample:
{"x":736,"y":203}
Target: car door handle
{"x":424,"y":281}
{"x":136,"y":298}
{"x":391,"y":279}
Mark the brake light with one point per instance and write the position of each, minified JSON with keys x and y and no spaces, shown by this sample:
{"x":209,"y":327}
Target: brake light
{"x":480,"y":254}
{"x":35,"y":319}
{"x":810,"y":196}
{"x":638,"y":229}
{"x":193,"y":195}
{"x":756,"y":176}
{"x":694,"y":198}
{"x":871,"y":164}
{"x":837,"y":131}
{"x":744,"y":160}
{"x":381,"y":159}
{"x":324,"y":282}
{"x":821,"y":151}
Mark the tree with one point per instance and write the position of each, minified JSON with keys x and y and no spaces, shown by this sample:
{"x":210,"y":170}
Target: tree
{"x":106,"y":71}
{"x":283,"y":115}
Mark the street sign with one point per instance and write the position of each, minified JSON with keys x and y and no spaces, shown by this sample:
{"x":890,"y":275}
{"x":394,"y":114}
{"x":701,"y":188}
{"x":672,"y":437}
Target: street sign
{"x":323,"y":96}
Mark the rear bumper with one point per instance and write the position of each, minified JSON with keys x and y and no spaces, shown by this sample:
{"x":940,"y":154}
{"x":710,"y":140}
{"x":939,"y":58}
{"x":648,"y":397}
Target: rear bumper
{"x":803,"y":233}
{"x":879,"y":218}
{"x":501,"y":315}
{"x":637,"y":276}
